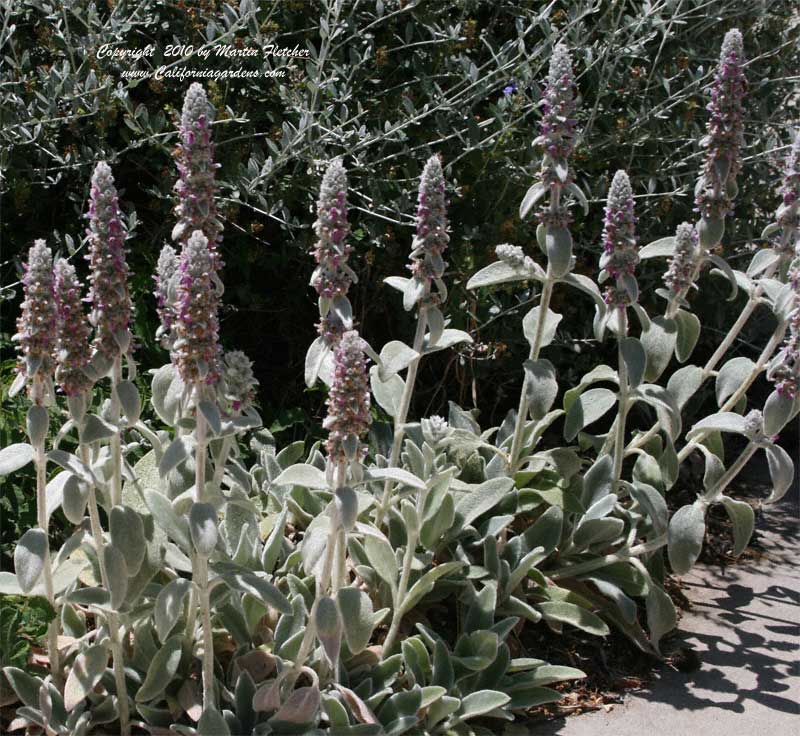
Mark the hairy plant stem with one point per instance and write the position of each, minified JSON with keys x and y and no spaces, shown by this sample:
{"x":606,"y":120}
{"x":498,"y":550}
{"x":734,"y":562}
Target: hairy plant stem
{"x":735,"y":397}
{"x":731,"y":473}
{"x":402,"y":410}
{"x":324,"y":583}
{"x":719,"y":353}
{"x":40,"y":461}
{"x":199,"y":562}
{"x":412,"y":537}
{"x":111,"y":618}
{"x":522,"y":411}
{"x":622,"y":370}
{"x":116,"y":439}
{"x":581,"y":568}
{"x":219,"y":468}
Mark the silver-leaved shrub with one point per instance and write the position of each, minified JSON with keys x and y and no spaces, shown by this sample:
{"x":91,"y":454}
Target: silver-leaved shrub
{"x":370,"y":584}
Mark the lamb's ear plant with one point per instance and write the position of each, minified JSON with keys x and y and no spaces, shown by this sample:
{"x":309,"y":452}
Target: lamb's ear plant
{"x":302,"y":592}
{"x":426,"y":292}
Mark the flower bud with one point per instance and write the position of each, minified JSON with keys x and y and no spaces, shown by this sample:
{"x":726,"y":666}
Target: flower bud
{"x":73,"y":353}
{"x":788,"y":214}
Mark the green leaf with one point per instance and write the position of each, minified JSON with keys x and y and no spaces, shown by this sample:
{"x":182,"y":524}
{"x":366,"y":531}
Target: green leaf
{"x":395,"y":357}
{"x":14,"y":457}
{"x":212,"y":723}
{"x":687,"y":529}
{"x":659,"y":344}
{"x":358,"y":617}
{"x":684,"y":384}
{"x":398,"y":475}
{"x":530,"y":325}
{"x":781,"y":472}
{"x":389,"y":393}
{"x":179,"y":449}
{"x":688,"y":326}
{"x":532,"y":196}
{"x":778,"y":410}
{"x":84,"y":673}
{"x":661,"y":615}
{"x":176,"y":527}
{"x":38,"y":422}
{"x":558,"y":246}
{"x":127,"y":535}
{"x":723,"y":421}
{"x":541,"y":386}
{"x":117,"y":572}
{"x":587,"y":408}
{"x":635,"y":359}
{"x":29,"y":556}
{"x":662,"y":248}
{"x":263,"y":590}
{"x":743,"y":519}
{"x":161,"y":670}
{"x":479,"y":500}
{"x":307,"y":476}
{"x":504,"y":272}
{"x":569,"y":613}
{"x":168,"y":605}
{"x":481,"y":702}
{"x":130,"y":401}
{"x":26,"y":686}
{"x":731,"y":376}
{"x":203,"y":528}
{"x":425,"y":584}
{"x":382,"y":559}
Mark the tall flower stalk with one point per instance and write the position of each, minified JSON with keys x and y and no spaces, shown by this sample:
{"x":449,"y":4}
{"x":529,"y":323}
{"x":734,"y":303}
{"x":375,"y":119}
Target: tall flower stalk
{"x":426,"y":290}
{"x":556,"y":140}
{"x":72,"y":366}
{"x":347,"y":422}
{"x":35,"y":345}
{"x":618,"y":262}
{"x":195,"y":353}
{"x":110,"y":299}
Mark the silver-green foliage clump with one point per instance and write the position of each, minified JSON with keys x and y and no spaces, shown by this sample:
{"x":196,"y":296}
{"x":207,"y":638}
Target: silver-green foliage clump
{"x":376,"y":583}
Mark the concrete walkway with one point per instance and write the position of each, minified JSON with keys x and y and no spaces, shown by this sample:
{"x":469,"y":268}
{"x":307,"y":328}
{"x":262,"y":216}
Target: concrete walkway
{"x":745,"y":626}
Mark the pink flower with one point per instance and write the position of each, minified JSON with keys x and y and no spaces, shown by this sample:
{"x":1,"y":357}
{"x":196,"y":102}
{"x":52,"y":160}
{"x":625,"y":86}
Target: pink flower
{"x":432,"y":238}
{"x":620,"y":252}
{"x":73,"y":354}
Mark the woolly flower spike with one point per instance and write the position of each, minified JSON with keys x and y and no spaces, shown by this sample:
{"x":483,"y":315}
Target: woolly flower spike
{"x":239,"y":380}
{"x":195,"y":351}
{"x":35,"y":335}
{"x":557,"y":129}
{"x":679,"y":275}
{"x":724,"y":138}
{"x":348,"y":401}
{"x":332,"y":276}
{"x":431,"y":240}
{"x":620,"y":255}
{"x":784,"y":370}
{"x":164,"y":277}
{"x":788,"y":214}
{"x":196,"y":185}
{"x":108,"y":293}
{"x":72,"y":355}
